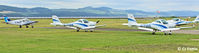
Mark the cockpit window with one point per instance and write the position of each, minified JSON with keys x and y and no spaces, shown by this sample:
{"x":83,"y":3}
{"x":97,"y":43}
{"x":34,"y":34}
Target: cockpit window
{"x":164,"y":22}
{"x":80,"y":21}
{"x":85,"y":21}
{"x":158,"y":21}
{"x":24,"y":20}
{"x":176,"y":19}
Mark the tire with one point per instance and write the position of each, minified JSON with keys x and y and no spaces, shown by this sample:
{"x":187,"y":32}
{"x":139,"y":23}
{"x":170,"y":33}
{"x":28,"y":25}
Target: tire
{"x":165,"y":33}
{"x":77,"y":30}
{"x":153,"y":33}
{"x":86,"y":31}
{"x":32,"y":26}
{"x":91,"y":31}
{"x":20,"y":26}
{"x":27,"y":26}
{"x":170,"y":34}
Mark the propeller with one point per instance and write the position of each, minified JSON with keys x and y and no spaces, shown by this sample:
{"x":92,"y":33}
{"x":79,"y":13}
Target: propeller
{"x":98,"y":21}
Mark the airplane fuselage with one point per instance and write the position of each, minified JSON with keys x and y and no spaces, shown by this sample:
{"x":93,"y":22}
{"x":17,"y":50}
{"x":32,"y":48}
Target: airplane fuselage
{"x":21,"y":22}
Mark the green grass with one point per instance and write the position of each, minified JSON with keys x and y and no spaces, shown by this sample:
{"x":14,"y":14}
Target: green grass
{"x":14,"y":40}
{"x":40,"y":40}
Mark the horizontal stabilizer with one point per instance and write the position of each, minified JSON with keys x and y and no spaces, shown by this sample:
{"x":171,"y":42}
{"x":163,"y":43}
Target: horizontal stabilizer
{"x":126,"y":24}
{"x":99,"y":25}
{"x":57,"y":24}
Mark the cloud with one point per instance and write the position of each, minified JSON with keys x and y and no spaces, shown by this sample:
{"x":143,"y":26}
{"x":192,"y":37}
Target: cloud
{"x":146,"y":5}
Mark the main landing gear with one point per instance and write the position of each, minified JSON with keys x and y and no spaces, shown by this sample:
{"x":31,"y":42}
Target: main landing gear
{"x":20,"y":26}
{"x":165,"y":33}
{"x":168,"y":33}
{"x":91,"y":30}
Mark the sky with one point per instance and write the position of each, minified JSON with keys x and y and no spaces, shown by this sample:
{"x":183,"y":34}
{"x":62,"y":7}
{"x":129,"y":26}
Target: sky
{"x":145,"y":5}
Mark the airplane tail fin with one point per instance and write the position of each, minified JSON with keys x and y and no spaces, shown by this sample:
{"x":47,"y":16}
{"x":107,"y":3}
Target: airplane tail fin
{"x":131,"y":20}
{"x":197,"y":19}
{"x":6,"y":19}
{"x":55,"y":19}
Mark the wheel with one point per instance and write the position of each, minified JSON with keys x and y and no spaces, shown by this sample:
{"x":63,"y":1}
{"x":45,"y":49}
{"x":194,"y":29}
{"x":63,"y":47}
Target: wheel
{"x":32,"y":26}
{"x":86,"y":31}
{"x":77,"y":30}
{"x":170,"y":34}
{"x":153,"y":33}
{"x":165,"y":33}
{"x":27,"y":27}
{"x":20,"y":26}
{"x":91,"y":31}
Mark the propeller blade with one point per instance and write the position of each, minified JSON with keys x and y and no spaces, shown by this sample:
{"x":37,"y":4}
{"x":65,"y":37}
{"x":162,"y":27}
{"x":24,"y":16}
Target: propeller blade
{"x":98,"y":21}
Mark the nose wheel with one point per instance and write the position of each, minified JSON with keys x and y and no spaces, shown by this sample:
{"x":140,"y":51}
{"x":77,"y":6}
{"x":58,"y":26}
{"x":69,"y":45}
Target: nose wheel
{"x":170,"y":33}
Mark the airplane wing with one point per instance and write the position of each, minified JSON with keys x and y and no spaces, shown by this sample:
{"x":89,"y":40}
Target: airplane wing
{"x":185,"y":27}
{"x":30,"y":22}
{"x":147,"y":29}
{"x":71,"y":27}
{"x":170,"y":29}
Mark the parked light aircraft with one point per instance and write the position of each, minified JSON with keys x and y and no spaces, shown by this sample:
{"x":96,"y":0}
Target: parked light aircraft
{"x":81,"y":24}
{"x":158,"y":25}
{"x":179,"y":22}
{"x":20,"y":22}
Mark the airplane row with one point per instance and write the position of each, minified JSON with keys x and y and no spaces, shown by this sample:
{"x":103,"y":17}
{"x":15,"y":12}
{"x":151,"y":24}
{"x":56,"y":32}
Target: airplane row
{"x":160,"y":24}
{"x":83,"y":24}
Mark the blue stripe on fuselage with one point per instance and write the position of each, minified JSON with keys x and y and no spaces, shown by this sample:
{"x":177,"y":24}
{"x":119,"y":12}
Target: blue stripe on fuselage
{"x":161,"y":26}
{"x":131,"y":20}
{"x":84,"y":25}
{"x":55,"y":20}
{"x":179,"y":22}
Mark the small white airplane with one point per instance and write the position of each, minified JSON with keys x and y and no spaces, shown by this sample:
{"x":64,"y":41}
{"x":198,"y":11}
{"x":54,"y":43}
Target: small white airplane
{"x":158,"y":25}
{"x":81,"y":24}
{"x":179,"y":22}
{"x":20,"y":22}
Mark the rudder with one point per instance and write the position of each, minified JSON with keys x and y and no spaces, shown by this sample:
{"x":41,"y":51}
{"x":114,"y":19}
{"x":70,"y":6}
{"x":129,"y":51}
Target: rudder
{"x":6,"y":19}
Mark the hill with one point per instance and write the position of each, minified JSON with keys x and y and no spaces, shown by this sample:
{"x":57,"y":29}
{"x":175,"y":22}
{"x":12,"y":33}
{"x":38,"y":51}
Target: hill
{"x":86,"y":11}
